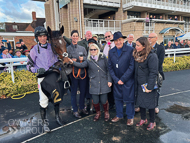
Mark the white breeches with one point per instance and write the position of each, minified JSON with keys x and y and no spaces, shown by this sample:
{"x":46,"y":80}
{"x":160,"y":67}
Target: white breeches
{"x":42,"y":97}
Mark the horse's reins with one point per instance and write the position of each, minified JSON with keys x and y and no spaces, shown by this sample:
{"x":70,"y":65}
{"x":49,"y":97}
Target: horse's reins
{"x":78,"y":73}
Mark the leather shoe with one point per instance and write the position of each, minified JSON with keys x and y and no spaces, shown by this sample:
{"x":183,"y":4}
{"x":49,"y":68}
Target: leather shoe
{"x":137,"y":109}
{"x":84,"y":111}
{"x":141,"y":122}
{"x":77,"y":115}
{"x":129,"y":122}
{"x":156,"y":110}
{"x":116,"y":119}
{"x":151,"y":126}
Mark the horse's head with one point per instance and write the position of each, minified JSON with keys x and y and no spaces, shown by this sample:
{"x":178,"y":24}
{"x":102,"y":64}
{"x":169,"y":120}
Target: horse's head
{"x":58,"y":44}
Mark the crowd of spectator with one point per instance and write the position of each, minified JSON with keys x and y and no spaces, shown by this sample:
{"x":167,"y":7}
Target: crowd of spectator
{"x":19,"y":51}
{"x":178,"y":44}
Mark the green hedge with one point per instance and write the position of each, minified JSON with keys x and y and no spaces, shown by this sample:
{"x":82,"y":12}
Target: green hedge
{"x":181,"y":63}
{"x":26,"y":82}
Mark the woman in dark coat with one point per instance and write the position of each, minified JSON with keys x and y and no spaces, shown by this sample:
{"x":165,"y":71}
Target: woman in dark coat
{"x":146,"y":70}
{"x":100,"y":80}
{"x":121,"y":68}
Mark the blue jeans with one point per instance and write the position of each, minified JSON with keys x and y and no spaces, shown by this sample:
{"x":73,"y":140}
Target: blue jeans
{"x":82,"y":87}
{"x":130,"y":109}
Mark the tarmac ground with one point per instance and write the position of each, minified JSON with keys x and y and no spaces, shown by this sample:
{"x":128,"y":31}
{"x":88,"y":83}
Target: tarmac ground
{"x":20,"y":120}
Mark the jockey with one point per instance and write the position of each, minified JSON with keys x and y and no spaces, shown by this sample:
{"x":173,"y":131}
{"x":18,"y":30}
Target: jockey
{"x":40,"y":59}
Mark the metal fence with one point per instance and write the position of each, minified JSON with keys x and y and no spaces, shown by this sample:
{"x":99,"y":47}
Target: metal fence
{"x":11,"y":64}
{"x":173,"y":52}
{"x":11,"y":61}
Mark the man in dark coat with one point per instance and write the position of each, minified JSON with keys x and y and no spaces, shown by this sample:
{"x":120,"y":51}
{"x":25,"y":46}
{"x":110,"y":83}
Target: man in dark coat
{"x":121,"y":68}
{"x":160,"y":51}
{"x":129,"y":41}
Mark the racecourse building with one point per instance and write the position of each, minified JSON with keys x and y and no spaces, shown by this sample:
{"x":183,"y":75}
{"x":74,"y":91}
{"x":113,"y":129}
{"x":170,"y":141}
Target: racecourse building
{"x":167,"y":18}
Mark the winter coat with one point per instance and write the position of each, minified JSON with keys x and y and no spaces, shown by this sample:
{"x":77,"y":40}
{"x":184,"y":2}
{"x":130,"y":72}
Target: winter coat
{"x":122,"y":68}
{"x":160,"y":51}
{"x":146,"y":72}
{"x":98,"y":80}
{"x":74,"y":51}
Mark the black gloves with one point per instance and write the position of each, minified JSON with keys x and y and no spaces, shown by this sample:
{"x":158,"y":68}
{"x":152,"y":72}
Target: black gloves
{"x":41,"y":71}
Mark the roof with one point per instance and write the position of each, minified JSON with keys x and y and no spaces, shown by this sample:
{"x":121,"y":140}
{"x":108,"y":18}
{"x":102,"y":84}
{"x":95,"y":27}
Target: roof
{"x":20,"y":26}
{"x":170,"y":28}
{"x":38,"y":22}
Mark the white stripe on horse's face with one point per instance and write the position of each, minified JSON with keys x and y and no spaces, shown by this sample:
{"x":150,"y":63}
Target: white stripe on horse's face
{"x":60,"y":41}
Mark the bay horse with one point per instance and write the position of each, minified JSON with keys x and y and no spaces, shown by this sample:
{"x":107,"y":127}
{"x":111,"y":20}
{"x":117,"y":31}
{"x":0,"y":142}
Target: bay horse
{"x":58,"y":45}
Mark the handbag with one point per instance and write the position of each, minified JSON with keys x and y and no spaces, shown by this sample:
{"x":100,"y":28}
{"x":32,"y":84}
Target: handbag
{"x":159,"y":80}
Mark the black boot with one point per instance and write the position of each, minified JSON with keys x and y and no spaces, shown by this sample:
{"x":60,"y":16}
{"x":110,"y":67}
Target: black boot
{"x":44,"y":120}
{"x":57,"y":117}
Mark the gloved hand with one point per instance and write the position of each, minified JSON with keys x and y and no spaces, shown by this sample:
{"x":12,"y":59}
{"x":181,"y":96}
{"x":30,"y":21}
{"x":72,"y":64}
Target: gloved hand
{"x":41,"y":71}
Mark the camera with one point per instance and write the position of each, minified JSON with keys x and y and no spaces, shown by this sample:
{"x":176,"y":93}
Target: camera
{"x":81,"y":54}
{"x":4,"y":40}
{"x":20,"y":40}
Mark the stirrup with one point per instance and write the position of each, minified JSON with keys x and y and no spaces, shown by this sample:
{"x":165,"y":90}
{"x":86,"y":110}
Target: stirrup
{"x":65,"y":87}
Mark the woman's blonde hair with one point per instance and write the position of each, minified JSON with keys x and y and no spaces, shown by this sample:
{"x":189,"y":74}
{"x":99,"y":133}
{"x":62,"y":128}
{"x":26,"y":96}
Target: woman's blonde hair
{"x":99,"y":53}
{"x":142,"y":55}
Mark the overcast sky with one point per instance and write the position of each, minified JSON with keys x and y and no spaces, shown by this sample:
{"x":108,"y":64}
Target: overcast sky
{"x":20,"y":10}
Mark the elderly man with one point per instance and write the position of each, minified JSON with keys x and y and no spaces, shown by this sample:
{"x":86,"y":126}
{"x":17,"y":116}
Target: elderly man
{"x":129,"y":41}
{"x":108,"y":46}
{"x":176,"y":45}
{"x":121,"y":68}
{"x":188,"y":44}
{"x":84,"y":42}
{"x":169,"y":45}
{"x":161,"y":54}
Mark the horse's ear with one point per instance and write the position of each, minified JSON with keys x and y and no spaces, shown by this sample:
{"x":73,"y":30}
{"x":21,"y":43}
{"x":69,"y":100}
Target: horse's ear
{"x":49,"y":31}
{"x":62,"y":30}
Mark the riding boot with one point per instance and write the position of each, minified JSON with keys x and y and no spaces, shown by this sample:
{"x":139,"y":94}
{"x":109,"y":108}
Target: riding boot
{"x":98,"y":113}
{"x":106,"y":111}
{"x":57,"y":117}
{"x":44,"y":120}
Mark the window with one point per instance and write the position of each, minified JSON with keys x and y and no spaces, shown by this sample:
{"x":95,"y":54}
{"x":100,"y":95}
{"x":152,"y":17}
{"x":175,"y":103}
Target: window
{"x":132,"y":14}
{"x":15,"y":27}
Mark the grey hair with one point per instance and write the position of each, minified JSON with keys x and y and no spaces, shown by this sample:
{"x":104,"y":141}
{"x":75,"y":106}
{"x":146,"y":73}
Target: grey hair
{"x":130,"y":35}
{"x":99,"y":53}
{"x":108,"y":31}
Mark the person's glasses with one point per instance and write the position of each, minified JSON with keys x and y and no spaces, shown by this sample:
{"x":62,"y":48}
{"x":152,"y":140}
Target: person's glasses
{"x":93,"y":49}
{"x":151,"y":37}
{"x":107,"y":37}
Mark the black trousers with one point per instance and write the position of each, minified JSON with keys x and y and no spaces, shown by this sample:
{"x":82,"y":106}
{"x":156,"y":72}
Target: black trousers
{"x":110,"y":97}
{"x":151,"y":114}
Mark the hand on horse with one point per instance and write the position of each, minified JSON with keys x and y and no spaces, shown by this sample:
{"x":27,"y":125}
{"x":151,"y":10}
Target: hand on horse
{"x":41,"y":71}
{"x":74,"y":59}
{"x":71,"y":61}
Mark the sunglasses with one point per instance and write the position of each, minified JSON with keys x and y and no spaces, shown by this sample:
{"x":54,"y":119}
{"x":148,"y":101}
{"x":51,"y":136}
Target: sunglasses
{"x":151,"y":37}
{"x":93,"y":49}
{"x":107,"y":36}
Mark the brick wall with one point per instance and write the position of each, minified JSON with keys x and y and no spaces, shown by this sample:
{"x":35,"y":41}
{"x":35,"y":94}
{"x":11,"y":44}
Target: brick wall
{"x":28,"y":40}
{"x":137,"y":28}
{"x":67,"y":15}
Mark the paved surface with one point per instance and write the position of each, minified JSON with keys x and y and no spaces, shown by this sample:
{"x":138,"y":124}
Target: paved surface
{"x":173,"y":120}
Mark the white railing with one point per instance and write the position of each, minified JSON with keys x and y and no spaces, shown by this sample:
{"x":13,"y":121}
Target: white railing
{"x":109,"y":3}
{"x":187,"y":27}
{"x":176,"y":51}
{"x":149,"y":27}
{"x":176,"y":5}
{"x":100,"y":26}
{"x":12,"y":64}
